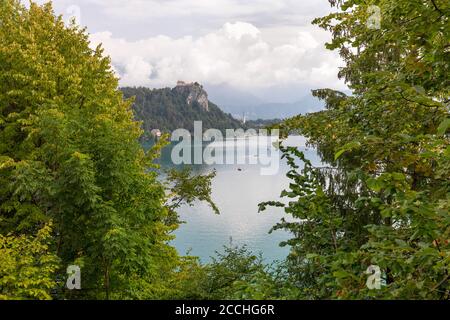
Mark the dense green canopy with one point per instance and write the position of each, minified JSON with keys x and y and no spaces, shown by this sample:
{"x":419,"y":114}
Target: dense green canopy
{"x":383,"y":197}
{"x":69,"y":154}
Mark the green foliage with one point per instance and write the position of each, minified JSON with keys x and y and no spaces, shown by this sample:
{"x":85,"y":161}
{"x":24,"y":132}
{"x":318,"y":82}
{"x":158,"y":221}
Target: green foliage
{"x":27,"y":266}
{"x":238,"y":274}
{"x":69,"y":153}
{"x":232,"y":273}
{"x":167,"y":110}
{"x":383,"y":196}
{"x":186,"y":188}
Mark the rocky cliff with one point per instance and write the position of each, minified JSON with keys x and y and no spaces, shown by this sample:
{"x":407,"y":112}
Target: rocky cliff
{"x":194,"y":93}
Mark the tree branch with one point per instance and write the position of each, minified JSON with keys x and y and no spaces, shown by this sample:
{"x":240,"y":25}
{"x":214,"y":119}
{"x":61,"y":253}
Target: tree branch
{"x":437,"y":8}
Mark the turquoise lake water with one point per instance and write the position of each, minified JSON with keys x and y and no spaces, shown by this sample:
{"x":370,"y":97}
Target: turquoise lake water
{"x":237,"y":190}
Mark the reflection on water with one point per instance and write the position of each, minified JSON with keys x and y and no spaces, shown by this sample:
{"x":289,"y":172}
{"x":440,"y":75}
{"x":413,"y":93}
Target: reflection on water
{"x":237,"y":190}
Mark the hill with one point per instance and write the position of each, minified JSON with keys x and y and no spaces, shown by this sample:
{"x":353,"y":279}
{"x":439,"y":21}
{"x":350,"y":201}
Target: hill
{"x":268,"y":111}
{"x":168,"y":109}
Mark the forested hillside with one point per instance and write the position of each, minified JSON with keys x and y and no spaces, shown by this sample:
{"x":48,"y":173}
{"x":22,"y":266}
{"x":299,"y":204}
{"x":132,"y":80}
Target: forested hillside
{"x":170,"y":109}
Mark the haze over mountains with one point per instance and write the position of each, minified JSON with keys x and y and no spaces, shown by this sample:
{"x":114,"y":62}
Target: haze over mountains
{"x":240,"y":103}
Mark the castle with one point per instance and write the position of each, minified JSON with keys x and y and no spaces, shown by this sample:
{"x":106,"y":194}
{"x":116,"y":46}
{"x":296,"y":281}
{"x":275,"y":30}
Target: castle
{"x":193,"y":92}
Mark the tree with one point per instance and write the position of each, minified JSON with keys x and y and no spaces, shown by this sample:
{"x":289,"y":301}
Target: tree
{"x":383,"y":196}
{"x":186,"y":188}
{"x":27,"y":266}
{"x":69,"y":154}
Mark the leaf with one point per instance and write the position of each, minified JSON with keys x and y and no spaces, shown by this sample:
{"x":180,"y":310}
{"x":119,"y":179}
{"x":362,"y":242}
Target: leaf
{"x":348,"y":147}
{"x":398,"y":176}
{"x":419,"y":89}
{"x":374,"y":184}
{"x":401,"y":243}
{"x":443,"y":127}
{"x":341,"y":274}
{"x":311,"y":256}
{"x":447,"y":151}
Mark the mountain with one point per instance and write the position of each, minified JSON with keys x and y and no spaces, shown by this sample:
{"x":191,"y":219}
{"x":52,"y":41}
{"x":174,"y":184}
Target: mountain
{"x":274,"y":110}
{"x":259,"y":103}
{"x":223,"y":94}
{"x":168,"y":109}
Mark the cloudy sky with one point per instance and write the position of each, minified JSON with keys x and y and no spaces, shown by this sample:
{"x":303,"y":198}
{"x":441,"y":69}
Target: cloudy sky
{"x":267,"y":48}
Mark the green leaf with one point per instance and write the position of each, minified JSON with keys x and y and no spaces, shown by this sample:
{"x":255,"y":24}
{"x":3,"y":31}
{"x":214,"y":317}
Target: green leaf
{"x":419,"y":89}
{"x":311,"y":256}
{"x":443,"y":127}
{"x":341,"y":274}
{"x":348,"y":147}
{"x":398,"y":176}
{"x":375,"y":184}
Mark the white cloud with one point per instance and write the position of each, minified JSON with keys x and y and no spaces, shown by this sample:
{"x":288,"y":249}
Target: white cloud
{"x":238,"y":54}
{"x":276,"y":54}
{"x":137,"y":70}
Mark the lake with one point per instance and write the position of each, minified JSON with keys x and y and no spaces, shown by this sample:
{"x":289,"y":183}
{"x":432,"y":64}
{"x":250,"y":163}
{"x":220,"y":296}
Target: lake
{"x":237,"y":190}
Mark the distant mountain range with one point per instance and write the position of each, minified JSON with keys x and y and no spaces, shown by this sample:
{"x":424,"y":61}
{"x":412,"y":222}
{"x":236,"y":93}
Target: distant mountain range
{"x":240,"y":103}
{"x":274,"y":110}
